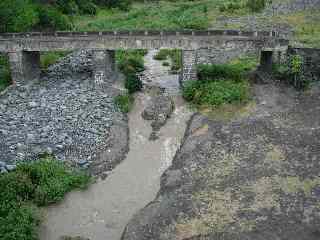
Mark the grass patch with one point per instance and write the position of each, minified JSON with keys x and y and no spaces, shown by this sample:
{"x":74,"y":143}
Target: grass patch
{"x":49,"y":58}
{"x":32,"y":185}
{"x":162,"y":15}
{"x":5,"y":77}
{"x":124,"y":102}
{"x":306,"y":26}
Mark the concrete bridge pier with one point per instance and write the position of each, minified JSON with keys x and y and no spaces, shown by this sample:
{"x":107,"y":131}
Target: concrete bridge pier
{"x":24,"y":66}
{"x":266,"y":61}
{"x":104,"y":66}
{"x":189,"y":66}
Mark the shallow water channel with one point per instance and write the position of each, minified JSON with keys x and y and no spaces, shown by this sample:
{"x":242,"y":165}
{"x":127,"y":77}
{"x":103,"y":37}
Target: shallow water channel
{"x":102,"y":211}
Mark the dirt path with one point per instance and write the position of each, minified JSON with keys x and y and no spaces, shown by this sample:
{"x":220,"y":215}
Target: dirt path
{"x":102,"y":211}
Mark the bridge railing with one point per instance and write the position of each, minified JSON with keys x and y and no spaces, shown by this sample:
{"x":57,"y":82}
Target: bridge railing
{"x":272,"y":34}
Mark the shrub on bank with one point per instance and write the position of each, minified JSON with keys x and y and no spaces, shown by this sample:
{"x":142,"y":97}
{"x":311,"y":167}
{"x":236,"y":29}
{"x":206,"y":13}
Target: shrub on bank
{"x":215,"y":93}
{"x":29,"y":186}
{"x":130,"y":64}
{"x":224,"y":71}
{"x":124,"y":102}
{"x":220,"y":84}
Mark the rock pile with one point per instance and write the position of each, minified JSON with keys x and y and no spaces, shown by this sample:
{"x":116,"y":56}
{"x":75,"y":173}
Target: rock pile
{"x":158,"y":111}
{"x":63,"y":114}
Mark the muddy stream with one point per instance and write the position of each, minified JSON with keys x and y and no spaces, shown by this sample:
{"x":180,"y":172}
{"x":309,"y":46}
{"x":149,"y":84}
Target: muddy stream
{"x":102,"y":211}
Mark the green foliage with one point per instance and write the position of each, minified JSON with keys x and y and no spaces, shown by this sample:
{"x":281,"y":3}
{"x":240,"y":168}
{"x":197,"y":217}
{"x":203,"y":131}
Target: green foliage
{"x":49,"y":58}
{"x":133,"y":83}
{"x":225,"y":71}
{"x":256,"y":5}
{"x":5,"y":77}
{"x":33,"y":184}
{"x":173,"y":54}
{"x":231,"y":6}
{"x":298,"y":79}
{"x":121,"y":4}
{"x":292,"y":72}
{"x":215,"y":93}
{"x":17,"y":15}
{"x":165,"y":64}
{"x":161,"y":15}
{"x":124,"y":102}
{"x":130,"y":64}
{"x":69,"y":7}
{"x":51,"y":18}
{"x":87,"y":7}
{"x":220,"y":84}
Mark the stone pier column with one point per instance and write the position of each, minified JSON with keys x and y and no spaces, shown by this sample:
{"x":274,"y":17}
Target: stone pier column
{"x":24,"y":66}
{"x":266,"y":61}
{"x":189,"y":66}
{"x":104,"y":66}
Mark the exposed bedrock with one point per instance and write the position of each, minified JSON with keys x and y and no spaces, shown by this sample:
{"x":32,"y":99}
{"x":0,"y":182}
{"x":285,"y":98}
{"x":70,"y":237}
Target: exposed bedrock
{"x":255,"y":176}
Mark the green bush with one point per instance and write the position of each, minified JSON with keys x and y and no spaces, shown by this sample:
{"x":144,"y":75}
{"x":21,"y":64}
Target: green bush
{"x":87,"y":7}
{"x":17,"y":15}
{"x":69,"y":7}
{"x":130,"y":64}
{"x":30,"y":185}
{"x":231,"y":6}
{"x":215,"y":93}
{"x":124,"y":102}
{"x":5,"y":76}
{"x":162,"y":55}
{"x":225,"y":71}
{"x":121,"y":4}
{"x":133,"y":83}
{"x":292,"y":73}
{"x":256,"y":5}
{"x":165,"y":64}
{"x":220,"y":84}
{"x":51,"y":18}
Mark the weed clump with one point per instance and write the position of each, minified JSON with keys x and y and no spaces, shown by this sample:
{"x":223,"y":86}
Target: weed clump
{"x":32,"y":185}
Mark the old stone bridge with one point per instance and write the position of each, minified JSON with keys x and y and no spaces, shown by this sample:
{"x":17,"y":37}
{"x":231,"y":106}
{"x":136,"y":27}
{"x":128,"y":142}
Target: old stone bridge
{"x":24,"y":49}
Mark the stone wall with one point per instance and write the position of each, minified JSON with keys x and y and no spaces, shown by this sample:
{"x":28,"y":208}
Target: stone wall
{"x":226,"y":53}
{"x":311,"y":60}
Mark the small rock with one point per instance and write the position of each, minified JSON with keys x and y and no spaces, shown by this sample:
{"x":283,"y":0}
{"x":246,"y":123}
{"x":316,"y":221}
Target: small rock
{"x":11,"y":167}
{"x":3,"y":170}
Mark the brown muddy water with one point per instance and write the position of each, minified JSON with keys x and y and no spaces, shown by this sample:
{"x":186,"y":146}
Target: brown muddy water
{"x":102,"y":211}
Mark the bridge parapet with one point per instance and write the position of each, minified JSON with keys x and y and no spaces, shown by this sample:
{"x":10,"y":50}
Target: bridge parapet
{"x":238,"y":33}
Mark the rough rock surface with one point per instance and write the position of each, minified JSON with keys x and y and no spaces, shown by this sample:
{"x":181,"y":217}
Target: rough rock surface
{"x":64,"y":113}
{"x":252,"y":176}
{"x":158,"y":111}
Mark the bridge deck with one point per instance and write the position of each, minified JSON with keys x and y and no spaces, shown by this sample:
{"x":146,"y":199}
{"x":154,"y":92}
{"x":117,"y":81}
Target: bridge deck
{"x":186,"y":40}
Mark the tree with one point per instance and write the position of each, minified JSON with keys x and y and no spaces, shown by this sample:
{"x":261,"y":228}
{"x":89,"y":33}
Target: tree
{"x":17,"y":15}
